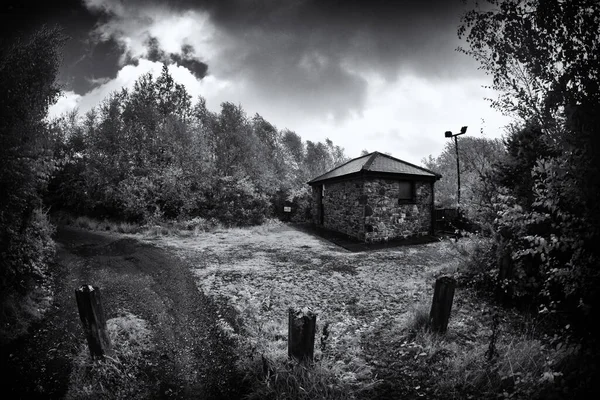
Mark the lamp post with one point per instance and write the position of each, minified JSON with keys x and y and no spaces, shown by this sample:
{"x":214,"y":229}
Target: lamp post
{"x":449,"y":134}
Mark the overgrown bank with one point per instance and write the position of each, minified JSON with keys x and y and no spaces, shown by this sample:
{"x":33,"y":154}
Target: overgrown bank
{"x":165,"y":337}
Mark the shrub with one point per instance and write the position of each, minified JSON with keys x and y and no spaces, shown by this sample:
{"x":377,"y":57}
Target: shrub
{"x":301,"y":200}
{"x":236,"y":202}
{"x":26,"y":251}
{"x":28,"y":69}
{"x":479,"y":268}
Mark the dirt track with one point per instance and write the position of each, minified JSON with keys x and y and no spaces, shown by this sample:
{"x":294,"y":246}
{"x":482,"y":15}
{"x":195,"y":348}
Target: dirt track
{"x":192,"y":358}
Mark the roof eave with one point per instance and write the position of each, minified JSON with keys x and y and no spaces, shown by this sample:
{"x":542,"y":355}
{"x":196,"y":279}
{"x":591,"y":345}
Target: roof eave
{"x":388,"y":175}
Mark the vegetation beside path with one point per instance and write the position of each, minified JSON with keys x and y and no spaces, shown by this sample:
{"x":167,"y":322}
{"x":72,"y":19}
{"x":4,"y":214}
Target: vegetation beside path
{"x":167,"y":344}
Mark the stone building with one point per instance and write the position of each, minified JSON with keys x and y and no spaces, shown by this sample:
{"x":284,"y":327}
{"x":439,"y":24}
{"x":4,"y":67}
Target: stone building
{"x":374,"y":198}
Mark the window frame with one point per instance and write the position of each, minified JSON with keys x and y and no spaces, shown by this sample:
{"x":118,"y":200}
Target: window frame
{"x":413,"y":191}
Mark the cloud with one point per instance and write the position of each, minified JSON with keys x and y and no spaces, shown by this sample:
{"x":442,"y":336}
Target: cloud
{"x":409,"y":118}
{"x":126,"y":77}
{"x":306,"y":57}
{"x":68,"y":101}
{"x":185,"y":59}
{"x":377,"y":74}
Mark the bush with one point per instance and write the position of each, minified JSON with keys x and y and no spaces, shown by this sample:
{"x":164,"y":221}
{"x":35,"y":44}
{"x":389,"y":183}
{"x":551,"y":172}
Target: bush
{"x":28,"y":69}
{"x":236,"y":202}
{"x":298,"y":199}
{"x":25,"y":258}
{"x":26,"y":251}
{"x":479,"y":268}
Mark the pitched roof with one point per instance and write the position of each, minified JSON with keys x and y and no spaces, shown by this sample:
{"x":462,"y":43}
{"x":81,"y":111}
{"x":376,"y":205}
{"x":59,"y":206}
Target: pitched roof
{"x":376,"y":162}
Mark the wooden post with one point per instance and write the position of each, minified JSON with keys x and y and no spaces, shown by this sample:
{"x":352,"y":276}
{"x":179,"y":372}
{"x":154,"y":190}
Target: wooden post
{"x":301,"y":335}
{"x":442,"y":303}
{"x":92,"y":319}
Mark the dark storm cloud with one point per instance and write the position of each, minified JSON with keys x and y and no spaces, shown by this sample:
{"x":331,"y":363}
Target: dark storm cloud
{"x":185,"y":58}
{"x":97,"y":63}
{"x":154,"y":52}
{"x":87,"y":60}
{"x":311,"y":55}
{"x":419,"y":35}
{"x":320,"y":51}
{"x":316,"y":54}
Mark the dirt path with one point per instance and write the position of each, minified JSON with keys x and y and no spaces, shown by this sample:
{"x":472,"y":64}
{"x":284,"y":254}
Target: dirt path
{"x":192,"y":359}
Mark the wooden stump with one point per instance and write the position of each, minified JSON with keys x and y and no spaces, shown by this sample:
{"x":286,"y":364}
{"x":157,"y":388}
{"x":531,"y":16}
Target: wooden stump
{"x":92,"y":319}
{"x":301,"y":335}
{"x":442,"y":304}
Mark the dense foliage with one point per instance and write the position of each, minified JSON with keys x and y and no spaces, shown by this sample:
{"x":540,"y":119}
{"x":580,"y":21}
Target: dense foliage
{"x":477,"y":156}
{"x":149,"y":154}
{"x":544,"y":58}
{"x":28,"y":66}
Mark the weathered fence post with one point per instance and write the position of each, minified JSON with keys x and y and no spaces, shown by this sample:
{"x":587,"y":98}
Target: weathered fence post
{"x":301,"y":334}
{"x":92,"y":319}
{"x":442,"y":303}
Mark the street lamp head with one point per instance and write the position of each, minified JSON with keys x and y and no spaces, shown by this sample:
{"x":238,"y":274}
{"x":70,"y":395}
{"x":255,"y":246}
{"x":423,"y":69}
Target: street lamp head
{"x":448,"y":134}
{"x":463,"y":129}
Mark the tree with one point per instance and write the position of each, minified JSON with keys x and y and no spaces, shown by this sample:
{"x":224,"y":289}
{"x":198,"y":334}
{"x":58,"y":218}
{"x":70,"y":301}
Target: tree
{"x":148,"y":154}
{"x":318,"y":160}
{"x":478,"y":156}
{"x":544,"y":58}
{"x":28,"y":69}
{"x":542,"y":54}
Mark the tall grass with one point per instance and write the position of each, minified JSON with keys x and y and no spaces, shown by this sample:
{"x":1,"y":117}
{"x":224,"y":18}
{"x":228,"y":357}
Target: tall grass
{"x":118,"y":375}
{"x":521,"y":370}
{"x":186,"y":228}
{"x":287,"y":379}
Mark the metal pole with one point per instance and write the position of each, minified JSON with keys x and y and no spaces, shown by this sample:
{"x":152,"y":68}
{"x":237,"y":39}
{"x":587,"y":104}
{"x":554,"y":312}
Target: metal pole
{"x":457,"y":170}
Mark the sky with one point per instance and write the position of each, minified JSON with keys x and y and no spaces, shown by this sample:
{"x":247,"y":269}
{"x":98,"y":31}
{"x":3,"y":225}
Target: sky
{"x":369,"y":75}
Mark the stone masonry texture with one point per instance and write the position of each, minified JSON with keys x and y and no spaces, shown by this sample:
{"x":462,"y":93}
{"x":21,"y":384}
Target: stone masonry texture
{"x":368,"y":209}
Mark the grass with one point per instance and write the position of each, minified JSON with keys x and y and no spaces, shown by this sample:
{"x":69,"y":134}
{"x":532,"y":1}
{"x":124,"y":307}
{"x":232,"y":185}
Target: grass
{"x":373,"y":310}
{"x":19,"y":312}
{"x":263,"y":271}
{"x":375,"y":307}
{"x":187,"y":228}
{"x":119,"y":375}
{"x":283,"y":379}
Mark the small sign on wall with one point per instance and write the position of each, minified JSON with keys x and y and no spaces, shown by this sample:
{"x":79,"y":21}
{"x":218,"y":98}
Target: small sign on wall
{"x":287,"y":209}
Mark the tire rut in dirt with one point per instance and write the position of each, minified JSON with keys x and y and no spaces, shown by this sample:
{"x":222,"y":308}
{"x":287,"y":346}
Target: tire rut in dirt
{"x":193,"y":358}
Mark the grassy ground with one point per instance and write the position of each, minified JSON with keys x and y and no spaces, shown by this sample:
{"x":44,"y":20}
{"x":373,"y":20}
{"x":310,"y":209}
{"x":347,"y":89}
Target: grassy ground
{"x":373,"y":306}
{"x":370,"y":340}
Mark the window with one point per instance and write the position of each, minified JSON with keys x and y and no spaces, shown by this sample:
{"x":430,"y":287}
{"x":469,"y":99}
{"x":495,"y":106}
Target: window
{"x":406,"y":192}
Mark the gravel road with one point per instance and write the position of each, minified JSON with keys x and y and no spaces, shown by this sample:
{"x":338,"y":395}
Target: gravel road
{"x":193,"y":359}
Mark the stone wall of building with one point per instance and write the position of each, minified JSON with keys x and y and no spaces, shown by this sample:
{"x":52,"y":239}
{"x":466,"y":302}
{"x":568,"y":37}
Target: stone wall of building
{"x":315,"y":204}
{"x":386,"y":219}
{"x":342,"y":207}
